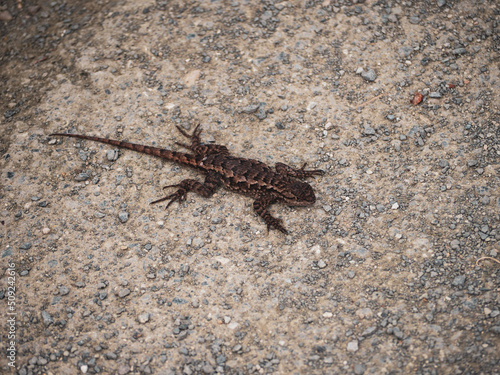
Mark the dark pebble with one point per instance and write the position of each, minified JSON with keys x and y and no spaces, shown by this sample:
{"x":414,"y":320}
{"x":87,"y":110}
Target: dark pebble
{"x":369,"y":75}
{"x":47,"y":318}
{"x":472,"y":163}
{"x":459,"y":51}
{"x":123,"y":216}
{"x":82,"y":177}
{"x":459,"y":280}
{"x":359,"y":369}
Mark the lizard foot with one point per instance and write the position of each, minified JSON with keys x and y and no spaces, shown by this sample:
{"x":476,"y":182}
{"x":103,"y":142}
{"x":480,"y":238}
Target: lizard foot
{"x":276,"y":224}
{"x":196,"y":133}
{"x":179,"y":195}
{"x":301,"y":173}
{"x":310,"y":173}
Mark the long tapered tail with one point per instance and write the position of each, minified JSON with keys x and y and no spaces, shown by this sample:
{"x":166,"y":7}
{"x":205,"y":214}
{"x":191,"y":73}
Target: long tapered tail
{"x":176,"y":156}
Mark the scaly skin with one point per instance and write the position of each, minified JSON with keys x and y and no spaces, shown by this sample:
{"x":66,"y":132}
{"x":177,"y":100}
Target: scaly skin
{"x":245,"y":176}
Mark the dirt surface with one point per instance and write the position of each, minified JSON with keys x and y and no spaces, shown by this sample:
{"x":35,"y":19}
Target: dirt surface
{"x":384,"y":274}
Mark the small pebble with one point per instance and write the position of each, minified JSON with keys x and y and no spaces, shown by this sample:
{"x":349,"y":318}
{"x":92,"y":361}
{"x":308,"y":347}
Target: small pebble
{"x":459,"y":51}
{"x":369,"y":331}
{"x":352,"y":346}
{"x":47,"y":318}
{"x":369,"y":75}
{"x":455,"y":244}
{"x":207,"y":369}
{"x":82,"y":177}
{"x":42,"y":361}
{"x":123,"y":292}
{"x":112,"y":155}
{"x":143,"y":318}
{"x":359,"y":369}
{"x":5,"y":16}
{"x":123,"y":216}
{"x":25,"y":246}
{"x":459,"y":280}
{"x":311,"y":106}
{"x":485,"y":200}
{"x":197,"y":242}
{"x":250,"y":109}
{"x":368,"y":130}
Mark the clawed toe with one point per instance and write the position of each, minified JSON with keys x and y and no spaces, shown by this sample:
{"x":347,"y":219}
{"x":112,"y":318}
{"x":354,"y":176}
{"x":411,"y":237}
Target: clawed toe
{"x":195,"y":135}
{"x":169,"y":186}
{"x":178,"y":196}
{"x":312,"y":172}
{"x":197,"y":131}
{"x":182,"y":131}
{"x":184,"y":145}
{"x":315,"y":172}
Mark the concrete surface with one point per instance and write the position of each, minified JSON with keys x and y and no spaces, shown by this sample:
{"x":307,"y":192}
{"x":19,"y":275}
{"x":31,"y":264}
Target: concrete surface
{"x":385,"y":274}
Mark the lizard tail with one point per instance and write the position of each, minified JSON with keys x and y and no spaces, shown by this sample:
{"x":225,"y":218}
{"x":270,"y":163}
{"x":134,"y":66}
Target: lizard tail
{"x":178,"y":157}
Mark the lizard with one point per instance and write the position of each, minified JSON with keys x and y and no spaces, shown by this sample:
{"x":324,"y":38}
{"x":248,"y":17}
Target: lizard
{"x":246,"y":176}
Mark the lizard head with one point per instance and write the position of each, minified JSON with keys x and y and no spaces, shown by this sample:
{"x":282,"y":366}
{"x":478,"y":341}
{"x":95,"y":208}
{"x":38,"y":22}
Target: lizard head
{"x":299,"y":193}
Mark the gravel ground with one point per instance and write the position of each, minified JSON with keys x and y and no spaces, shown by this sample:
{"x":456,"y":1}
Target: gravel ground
{"x":398,"y":101}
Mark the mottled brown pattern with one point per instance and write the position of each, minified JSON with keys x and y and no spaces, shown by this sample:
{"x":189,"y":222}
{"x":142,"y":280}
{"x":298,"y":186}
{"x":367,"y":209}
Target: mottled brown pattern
{"x":246,"y":176}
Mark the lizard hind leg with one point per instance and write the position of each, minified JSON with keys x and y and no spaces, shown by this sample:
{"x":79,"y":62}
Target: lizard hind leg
{"x":195,"y":137}
{"x":205,"y":189}
{"x":197,"y":147}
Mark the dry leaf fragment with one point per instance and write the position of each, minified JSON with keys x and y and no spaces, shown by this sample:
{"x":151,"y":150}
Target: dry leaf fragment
{"x":417,"y":98}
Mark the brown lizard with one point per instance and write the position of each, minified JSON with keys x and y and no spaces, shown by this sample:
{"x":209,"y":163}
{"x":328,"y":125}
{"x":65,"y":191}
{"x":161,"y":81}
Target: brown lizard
{"x":246,"y":176}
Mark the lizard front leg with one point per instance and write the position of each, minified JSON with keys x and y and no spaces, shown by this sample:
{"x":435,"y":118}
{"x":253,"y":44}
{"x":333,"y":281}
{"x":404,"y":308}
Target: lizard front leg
{"x":197,"y":147}
{"x":205,"y":189}
{"x":260,"y":206}
{"x":301,"y":173}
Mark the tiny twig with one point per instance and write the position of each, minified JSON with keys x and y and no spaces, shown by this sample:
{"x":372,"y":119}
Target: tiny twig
{"x":43,"y":58}
{"x":369,"y":101}
{"x":489,"y":258}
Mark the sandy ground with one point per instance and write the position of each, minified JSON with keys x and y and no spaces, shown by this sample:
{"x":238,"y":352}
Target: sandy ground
{"x":385,"y":274}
